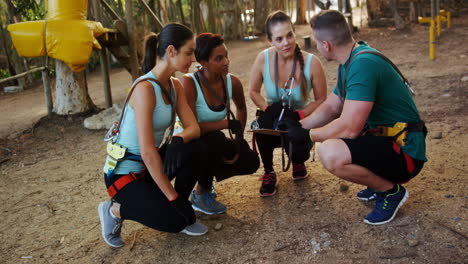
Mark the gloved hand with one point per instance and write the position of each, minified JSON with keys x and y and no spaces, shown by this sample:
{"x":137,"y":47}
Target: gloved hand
{"x":266,"y":119}
{"x":298,"y":135}
{"x":184,"y":208}
{"x":286,"y":123}
{"x":274,"y":109}
{"x":291,"y":114}
{"x":235,"y":126}
{"x":174,"y":156}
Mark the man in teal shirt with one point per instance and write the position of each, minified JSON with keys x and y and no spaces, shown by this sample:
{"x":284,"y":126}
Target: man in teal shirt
{"x":369,"y":95}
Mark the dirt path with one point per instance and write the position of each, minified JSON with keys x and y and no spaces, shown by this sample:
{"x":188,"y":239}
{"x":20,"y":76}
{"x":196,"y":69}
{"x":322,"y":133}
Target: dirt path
{"x":51,"y":183}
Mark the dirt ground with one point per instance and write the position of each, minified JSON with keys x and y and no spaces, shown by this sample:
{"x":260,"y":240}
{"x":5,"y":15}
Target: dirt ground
{"x":51,"y":182}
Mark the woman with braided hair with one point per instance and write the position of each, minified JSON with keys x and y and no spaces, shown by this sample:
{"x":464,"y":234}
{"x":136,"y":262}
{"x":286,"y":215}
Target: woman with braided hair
{"x":286,"y":86}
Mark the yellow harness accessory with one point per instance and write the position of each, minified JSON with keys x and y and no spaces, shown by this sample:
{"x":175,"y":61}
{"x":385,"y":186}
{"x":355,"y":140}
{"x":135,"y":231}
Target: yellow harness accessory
{"x":398,"y":129}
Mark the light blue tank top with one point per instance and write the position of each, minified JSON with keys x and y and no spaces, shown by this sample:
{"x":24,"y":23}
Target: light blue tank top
{"x":128,"y":138}
{"x":204,"y":113}
{"x":270,"y":89}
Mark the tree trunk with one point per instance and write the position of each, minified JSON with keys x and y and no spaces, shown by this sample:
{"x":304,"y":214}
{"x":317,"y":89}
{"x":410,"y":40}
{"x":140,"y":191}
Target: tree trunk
{"x":399,"y":23}
{"x":71,"y":91}
{"x":278,"y":5}
{"x":212,"y":12}
{"x":232,"y":28}
{"x":198,"y":24}
{"x":181,"y":11}
{"x":301,"y":13}
{"x":373,"y":10}
{"x":261,"y":13}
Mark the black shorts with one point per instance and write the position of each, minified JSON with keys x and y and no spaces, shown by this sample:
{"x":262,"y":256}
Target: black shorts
{"x":383,"y":156}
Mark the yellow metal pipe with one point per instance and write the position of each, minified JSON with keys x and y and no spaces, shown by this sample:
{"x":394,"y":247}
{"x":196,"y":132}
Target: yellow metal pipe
{"x":449,"y":19}
{"x":432,"y":40}
{"x":438,"y":25}
{"x":424,"y":20}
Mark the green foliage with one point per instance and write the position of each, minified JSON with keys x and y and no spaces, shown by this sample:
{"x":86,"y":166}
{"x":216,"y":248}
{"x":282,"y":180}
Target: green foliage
{"x":4,"y":73}
{"x":30,"y":9}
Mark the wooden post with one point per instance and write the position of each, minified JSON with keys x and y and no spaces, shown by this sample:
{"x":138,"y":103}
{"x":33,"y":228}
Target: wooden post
{"x":132,"y":47}
{"x":47,"y":91}
{"x":103,"y":57}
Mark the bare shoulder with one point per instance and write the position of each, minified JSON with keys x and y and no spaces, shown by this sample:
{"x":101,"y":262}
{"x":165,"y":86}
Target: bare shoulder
{"x":235,"y":81}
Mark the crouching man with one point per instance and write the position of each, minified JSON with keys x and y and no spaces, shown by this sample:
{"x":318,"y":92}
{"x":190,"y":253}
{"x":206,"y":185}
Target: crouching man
{"x":370,"y":128}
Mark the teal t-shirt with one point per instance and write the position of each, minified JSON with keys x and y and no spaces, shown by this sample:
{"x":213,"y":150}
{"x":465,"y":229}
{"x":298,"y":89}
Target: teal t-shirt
{"x":370,"y":78}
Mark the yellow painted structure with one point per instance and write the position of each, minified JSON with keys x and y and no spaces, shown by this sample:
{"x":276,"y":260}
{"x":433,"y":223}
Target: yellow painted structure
{"x":65,"y":35}
{"x":435,"y":27}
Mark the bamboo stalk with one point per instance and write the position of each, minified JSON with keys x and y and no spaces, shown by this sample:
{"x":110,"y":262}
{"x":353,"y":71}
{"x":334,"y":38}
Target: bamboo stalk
{"x":21,"y":74}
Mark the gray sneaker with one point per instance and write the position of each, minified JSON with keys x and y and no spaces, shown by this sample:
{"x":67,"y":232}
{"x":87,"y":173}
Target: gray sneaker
{"x":207,"y":204}
{"x":110,"y":226}
{"x":195,"y":229}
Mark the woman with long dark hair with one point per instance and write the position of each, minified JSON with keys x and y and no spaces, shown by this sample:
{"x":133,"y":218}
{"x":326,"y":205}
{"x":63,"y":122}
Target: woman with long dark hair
{"x":208,"y":92}
{"x":140,"y":163}
{"x":286,"y":86}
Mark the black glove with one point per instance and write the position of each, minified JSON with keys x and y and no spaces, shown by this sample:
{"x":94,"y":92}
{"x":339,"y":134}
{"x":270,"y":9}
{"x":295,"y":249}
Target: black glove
{"x":267,"y":118}
{"x":184,"y":208}
{"x":286,"y":123}
{"x":291,"y":114}
{"x":235,"y":126}
{"x":274,"y":109}
{"x":174,"y":156}
{"x":298,"y":135}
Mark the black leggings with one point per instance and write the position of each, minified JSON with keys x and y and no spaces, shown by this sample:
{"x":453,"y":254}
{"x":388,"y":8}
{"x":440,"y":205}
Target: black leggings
{"x":144,"y":202}
{"x":266,"y":145}
{"x":215,"y":146}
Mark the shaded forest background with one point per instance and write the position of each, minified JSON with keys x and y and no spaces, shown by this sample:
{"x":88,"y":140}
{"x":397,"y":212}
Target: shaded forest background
{"x":234,"y":19}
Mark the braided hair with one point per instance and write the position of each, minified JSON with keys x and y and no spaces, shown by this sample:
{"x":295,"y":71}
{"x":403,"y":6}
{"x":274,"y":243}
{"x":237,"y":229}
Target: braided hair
{"x":281,"y":17}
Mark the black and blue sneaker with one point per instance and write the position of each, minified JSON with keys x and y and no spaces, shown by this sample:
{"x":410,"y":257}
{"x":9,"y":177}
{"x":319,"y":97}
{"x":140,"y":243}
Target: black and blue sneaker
{"x":367,"y":194}
{"x":386,"y":206}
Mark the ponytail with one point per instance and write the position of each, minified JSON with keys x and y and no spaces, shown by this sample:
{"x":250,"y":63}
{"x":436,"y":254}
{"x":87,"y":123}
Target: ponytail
{"x":300,"y":58}
{"x":150,"y":48}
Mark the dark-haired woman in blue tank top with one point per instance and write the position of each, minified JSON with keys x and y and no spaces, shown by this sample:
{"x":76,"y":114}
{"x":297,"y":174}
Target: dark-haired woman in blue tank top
{"x":208,"y":93}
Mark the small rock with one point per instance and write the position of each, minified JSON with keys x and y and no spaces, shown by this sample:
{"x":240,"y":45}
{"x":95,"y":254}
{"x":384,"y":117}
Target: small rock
{"x":218,"y":226}
{"x":317,"y":209}
{"x":324,"y":235}
{"x":462,"y":56}
{"x":456,"y":218}
{"x":315,"y":246}
{"x":464,"y":78}
{"x":449,"y":196}
{"x":437,"y":135}
{"x":344,"y":188}
{"x":413,"y":242}
{"x":12,"y":89}
{"x":104,"y":119}
{"x":327,"y":244}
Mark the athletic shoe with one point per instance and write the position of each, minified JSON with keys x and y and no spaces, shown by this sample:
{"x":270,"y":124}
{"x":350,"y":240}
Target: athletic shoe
{"x":207,"y":204}
{"x":367,"y":194}
{"x":269,"y":184}
{"x":386,"y":206}
{"x":299,"y":171}
{"x":110,"y":226}
{"x":195,"y":229}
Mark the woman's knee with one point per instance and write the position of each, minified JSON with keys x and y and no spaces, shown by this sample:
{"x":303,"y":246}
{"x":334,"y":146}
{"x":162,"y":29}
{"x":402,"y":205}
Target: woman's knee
{"x":333,"y":153}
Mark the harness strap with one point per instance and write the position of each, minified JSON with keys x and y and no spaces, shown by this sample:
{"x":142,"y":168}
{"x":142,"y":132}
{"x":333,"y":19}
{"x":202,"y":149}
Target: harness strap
{"x":119,"y":184}
{"x":342,"y":91}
